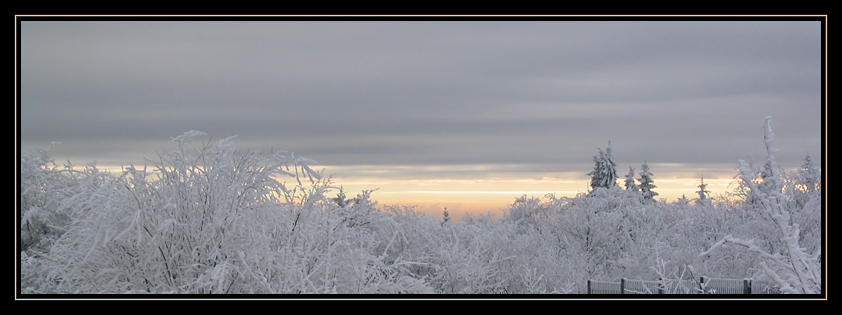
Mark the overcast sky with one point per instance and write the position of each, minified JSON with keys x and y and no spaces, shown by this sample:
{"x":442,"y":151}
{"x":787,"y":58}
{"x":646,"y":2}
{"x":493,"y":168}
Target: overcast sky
{"x":517,"y":96}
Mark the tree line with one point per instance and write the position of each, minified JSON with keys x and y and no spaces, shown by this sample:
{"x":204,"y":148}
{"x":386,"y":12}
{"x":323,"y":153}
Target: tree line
{"x":210,"y":219}
{"x":805,"y":180}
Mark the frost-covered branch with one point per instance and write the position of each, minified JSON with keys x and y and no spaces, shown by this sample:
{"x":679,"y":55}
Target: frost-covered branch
{"x":795,"y":271}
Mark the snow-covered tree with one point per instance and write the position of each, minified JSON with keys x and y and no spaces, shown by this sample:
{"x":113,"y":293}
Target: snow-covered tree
{"x":446,"y":217}
{"x":683,"y":201}
{"x":810,"y":175}
{"x":340,"y":199}
{"x":703,"y":192}
{"x":741,"y":189}
{"x":806,"y":183}
{"x":217,"y":220}
{"x":647,"y":183}
{"x":793,"y":267}
{"x":596,"y":173}
{"x":630,"y":183}
{"x":604,"y":174}
{"x":766,"y":184}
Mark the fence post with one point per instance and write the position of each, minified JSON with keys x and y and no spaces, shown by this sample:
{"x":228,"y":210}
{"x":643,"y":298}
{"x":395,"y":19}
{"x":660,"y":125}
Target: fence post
{"x":660,"y":286}
{"x":746,"y":286}
{"x":622,"y":285}
{"x":703,"y":286}
{"x":589,"y":286}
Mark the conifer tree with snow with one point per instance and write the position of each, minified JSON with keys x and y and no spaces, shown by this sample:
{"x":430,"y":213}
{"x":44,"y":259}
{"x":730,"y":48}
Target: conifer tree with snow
{"x":340,"y":199}
{"x":446,"y":217}
{"x":596,"y":174}
{"x":647,"y":183}
{"x":630,"y":183}
{"x":604,"y":174}
{"x":810,"y":175}
{"x":703,"y":192}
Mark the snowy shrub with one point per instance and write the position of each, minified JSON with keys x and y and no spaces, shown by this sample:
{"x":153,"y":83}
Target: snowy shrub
{"x":221,"y":221}
{"x":793,"y":267}
{"x":463,"y":257}
{"x":212,"y":219}
{"x":44,"y":190}
{"x":528,"y":213}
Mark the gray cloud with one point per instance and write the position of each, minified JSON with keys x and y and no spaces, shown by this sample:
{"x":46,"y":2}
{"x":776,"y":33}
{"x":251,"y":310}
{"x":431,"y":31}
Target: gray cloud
{"x":353,"y":92}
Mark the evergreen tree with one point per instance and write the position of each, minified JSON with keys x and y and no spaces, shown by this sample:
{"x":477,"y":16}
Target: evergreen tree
{"x":807,"y":182}
{"x":703,"y":192}
{"x":604,"y":173}
{"x":647,"y":183}
{"x":340,"y":199}
{"x":596,"y":174}
{"x":809,"y":175}
{"x":630,"y":183}
{"x":446,"y":217}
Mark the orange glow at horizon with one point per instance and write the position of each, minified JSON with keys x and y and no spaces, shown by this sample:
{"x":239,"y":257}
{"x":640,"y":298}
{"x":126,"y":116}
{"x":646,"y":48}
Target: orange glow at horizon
{"x":492,"y":194}
{"x":480,"y":197}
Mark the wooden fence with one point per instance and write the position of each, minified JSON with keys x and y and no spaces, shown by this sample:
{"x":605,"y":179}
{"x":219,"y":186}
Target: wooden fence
{"x":703,"y":286}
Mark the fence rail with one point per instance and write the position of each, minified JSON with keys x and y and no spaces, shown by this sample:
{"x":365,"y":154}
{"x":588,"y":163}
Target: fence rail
{"x":703,"y":286}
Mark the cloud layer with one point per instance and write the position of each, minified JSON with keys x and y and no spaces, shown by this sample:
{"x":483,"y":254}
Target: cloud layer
{"x":540,"y":95}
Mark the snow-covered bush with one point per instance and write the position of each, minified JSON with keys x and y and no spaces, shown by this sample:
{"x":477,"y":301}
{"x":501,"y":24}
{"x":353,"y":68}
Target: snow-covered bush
{"x":222,"y":221}
{"x":793,"y":267}
{"x":212,"y":219}
{"x":44,"y":191}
